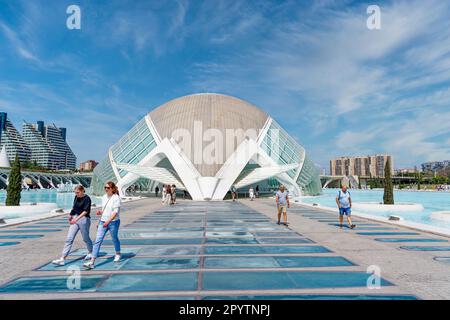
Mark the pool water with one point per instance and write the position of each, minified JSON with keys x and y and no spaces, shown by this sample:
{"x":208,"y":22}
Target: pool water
{"x":63,"y":200}
{"x":431,"y":201}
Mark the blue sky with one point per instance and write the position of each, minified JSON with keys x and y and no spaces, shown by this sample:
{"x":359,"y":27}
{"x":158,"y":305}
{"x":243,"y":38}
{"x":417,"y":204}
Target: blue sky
{"x":337,"y":87}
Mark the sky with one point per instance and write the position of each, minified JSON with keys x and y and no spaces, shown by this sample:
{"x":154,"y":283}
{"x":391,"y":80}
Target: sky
{"x":333,"y":84}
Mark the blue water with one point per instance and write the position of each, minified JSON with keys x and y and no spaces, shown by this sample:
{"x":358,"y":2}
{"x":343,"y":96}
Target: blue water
{"x":63,"y":200}
{"x":431,"y":201}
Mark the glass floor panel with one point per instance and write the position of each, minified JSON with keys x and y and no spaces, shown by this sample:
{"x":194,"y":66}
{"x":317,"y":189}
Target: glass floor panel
{"x":35,"y":226}
{"x":50,"y":284}
{"x":409,"y":240}
{"x":229,"y":234}
{"x":8,"y":244}
{"x":313,"y":262}
{"x":21,"y":236}
{"x":231,"y":241}
{"x":284,"y":280}
{"x":186,"y":281}
{"x":30,"y":230}
{"x":148,"y":235}
{"x":277,"y":234}
{"x":283,"y":240}
{"x":100,"y":264}
{"x":387,"y":233}
{"x":137,"y":242}
{"x":169,"y":251}
{"x":107,"y":251}
{"x":427,"y":248}
{"x":275,"y":262}
{"x":161,"y":263}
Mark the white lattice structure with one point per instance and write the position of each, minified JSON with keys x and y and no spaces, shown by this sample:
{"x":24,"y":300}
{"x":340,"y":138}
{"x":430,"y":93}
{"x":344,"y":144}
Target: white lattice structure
{"x":207,"y":143}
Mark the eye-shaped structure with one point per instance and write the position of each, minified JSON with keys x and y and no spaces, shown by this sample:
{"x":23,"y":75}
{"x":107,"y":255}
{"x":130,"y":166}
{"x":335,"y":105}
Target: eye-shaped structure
{"x":207,"y":144}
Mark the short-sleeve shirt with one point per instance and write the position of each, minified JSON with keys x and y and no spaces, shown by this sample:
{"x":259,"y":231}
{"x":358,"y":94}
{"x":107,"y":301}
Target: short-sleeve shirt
{"x":81,"y":205}
{"x":110,"y":205}
{"x":344,"y":199}
{"x":282,"y":198}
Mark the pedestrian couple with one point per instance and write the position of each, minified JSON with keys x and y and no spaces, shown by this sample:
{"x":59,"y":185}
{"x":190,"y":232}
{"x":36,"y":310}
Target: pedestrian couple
{"x":169,"y":194}
{"x":80,"y":220}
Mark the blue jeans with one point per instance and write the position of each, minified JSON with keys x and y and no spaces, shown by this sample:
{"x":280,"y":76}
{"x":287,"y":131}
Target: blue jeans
{"x":113,"y":229}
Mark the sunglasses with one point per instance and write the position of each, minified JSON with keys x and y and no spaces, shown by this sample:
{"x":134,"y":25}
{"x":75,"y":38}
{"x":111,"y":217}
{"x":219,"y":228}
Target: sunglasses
{"x":107,"y":188}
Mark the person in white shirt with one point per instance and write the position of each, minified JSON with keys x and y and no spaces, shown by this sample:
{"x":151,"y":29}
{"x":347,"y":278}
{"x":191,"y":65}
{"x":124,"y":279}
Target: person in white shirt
{"x":164,"y":193}
{"x":109,"y":221}
{"x":251,"y":193}
{"x":168,"y":198}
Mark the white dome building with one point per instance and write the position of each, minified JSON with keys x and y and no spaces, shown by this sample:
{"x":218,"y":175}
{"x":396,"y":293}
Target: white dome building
{"x":205,"y":144}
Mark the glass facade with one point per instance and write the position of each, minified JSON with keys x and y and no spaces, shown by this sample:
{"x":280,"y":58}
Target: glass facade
{"x":131,"y":149}
{"x":134,"y":146}
{"x":309,"y":179}
{"x":282,"y":148}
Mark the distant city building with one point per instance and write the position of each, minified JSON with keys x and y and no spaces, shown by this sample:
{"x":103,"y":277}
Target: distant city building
{"x":13,"y":142}
{"x":435,"y":166}
{"x":368,"y":166}
{"x":88,"y":165}
{"x":48,"y":145}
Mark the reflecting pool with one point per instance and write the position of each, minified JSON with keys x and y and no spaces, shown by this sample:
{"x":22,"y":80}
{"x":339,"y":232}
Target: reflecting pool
{"x":431,"y":201}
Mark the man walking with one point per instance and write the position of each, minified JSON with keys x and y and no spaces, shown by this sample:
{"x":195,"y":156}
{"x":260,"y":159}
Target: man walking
{"x":282,"y":200}
{"x":344,"y":202}
{"x":156,"y":191}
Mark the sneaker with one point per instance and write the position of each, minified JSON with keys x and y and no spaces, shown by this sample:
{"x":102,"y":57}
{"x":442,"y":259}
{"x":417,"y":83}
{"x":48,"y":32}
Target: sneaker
{"x":117,"y":258}
{"x":352,"y":226}
{"x":278,"y":222}
{"x":89,"y":265}
{"x":59,"y":262}
{"x":88,"y":257}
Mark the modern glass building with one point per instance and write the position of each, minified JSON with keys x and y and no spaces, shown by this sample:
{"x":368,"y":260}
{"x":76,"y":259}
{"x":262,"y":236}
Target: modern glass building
{"x":207,"y":144}
{"x":13,"y":142}
{"x":48,"y":145}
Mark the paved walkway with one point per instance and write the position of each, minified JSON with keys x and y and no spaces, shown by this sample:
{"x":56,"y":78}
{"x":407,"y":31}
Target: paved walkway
{"x":226,"y":250}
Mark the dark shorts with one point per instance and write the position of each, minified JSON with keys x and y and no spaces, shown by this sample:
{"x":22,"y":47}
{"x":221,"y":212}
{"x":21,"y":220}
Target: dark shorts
{"x":346,"y":211}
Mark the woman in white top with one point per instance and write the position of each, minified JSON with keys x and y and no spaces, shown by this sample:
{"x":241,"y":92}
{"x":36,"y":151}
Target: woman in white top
{"x":251,"y":193}
{"x":164,"y":193}
{"x":109,"y":221}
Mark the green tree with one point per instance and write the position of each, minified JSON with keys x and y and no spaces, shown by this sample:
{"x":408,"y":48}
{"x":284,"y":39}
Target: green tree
{"x":388,"y":197}
{"x":14,"y":184}
{"x":419,"y":181}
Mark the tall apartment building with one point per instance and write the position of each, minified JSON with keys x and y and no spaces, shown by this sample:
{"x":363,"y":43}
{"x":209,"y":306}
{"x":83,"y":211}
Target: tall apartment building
{"x":13,"y":142}
{"x":369,"y":166}
{"x":48,"y":145}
